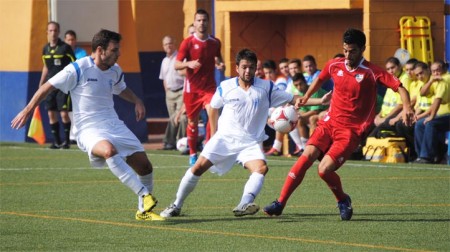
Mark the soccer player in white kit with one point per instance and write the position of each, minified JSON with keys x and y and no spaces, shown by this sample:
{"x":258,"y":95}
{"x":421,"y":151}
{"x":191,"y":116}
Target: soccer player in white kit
{"x":92,"y":81}
{"x":245,"y":100}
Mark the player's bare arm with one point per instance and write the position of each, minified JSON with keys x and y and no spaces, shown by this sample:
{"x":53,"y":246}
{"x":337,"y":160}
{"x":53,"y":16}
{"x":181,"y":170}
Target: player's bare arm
{"x":214,"y":117}
{"x":22,"y":117}
{"x":192,"y":64}
{"x":139,"y":108}
{"x":408,"y":113}
{"x":317,"y":83}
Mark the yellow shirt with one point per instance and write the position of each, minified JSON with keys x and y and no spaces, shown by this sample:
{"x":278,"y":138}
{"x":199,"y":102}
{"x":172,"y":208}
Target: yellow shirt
{"x":441,"y":89}
{"x":422,"y":102}
{"x":405,"y":80}
{"x":390,"y":101}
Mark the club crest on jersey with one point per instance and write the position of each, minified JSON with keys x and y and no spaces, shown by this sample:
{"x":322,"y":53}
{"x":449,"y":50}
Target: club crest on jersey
{"x":196,"y":46}
{"x":340,"y":73}
{"x":359,"y":77}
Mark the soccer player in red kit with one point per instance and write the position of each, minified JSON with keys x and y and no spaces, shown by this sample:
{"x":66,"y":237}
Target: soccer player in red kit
{"x":199,"y":54}
{"x":351,"y":112}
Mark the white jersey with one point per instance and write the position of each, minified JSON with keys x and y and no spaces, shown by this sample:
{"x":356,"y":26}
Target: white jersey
{"x":91,"y":91}
{"x":244,"y":114}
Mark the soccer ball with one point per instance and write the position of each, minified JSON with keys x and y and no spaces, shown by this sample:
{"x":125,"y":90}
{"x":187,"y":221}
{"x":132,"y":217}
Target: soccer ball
{"x":182,"y":144}
{"x":283,"y":119}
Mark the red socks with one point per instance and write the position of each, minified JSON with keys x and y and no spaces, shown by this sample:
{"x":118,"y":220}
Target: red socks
{"x":294,"y":178}
{"x":192,"y":136}
{"x":334,"y":183}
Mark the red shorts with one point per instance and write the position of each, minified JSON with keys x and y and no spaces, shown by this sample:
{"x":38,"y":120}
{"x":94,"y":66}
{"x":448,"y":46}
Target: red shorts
{"x":195,"y":102}
{"x":336,"y":142}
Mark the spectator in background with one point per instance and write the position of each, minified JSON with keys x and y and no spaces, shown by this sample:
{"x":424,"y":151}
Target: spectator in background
{"x":259,"y":70}
{"x":271,"y":74}
{"x":311,"y":72}
{"x":429,"y":131}
{"x":200,"y":55}
{"x":70,"y":37}
{"x":173,"y":85}
{"x":384,"y":121}
{"x":409,"y":81}
{"x":294,"y":68}
{"x":56,"y":55}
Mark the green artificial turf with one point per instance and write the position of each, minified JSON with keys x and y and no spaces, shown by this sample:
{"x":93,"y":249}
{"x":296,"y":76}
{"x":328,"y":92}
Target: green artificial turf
{"x":52,"y":200}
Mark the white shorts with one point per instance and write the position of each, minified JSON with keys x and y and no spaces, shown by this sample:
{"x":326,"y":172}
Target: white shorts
{"x":116,"y":132}
{"x":223,"y":152}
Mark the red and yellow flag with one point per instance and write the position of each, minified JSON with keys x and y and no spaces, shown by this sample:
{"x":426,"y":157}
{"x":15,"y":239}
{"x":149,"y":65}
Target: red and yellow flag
{"x":36,"y":130}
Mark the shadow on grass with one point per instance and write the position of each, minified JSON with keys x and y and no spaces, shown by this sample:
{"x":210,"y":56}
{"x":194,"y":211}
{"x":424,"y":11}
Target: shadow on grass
{"x":300,"y":217}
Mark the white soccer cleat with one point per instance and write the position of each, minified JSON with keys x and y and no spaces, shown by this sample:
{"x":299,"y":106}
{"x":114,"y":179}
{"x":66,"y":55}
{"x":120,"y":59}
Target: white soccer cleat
{"x":170,"y":211}
{"x":245,"y":209}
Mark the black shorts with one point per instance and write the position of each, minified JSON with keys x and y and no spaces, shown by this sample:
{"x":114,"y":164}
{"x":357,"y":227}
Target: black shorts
{"x":58,"y":101}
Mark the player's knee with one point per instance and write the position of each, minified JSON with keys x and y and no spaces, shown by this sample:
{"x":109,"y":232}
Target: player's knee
{"x":261,"y":169}
{"x":108,"y":151}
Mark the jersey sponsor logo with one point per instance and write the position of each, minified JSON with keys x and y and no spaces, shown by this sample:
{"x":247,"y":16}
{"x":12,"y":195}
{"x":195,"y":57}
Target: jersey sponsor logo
{"x":91,"y":79}
{"x":359,"y":77}
{"x":340,"y":73}
{"x":292,"y":175}
{"x":196,"y":46}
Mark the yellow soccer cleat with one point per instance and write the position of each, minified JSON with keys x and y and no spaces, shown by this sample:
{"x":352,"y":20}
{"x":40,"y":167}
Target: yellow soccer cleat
{"x":148,"y":216}
{"x":149,"y":202}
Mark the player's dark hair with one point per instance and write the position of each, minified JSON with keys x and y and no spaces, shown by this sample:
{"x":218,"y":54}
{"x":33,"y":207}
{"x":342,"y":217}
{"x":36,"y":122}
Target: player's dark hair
{"x":54,"y":23}
{"x":295,"y":60}
{"x":354,"y":36}
{"x":202,"y":12}
{"x":338,"y":55}
{"x":310,"y":58}
{"x":299,"y":77}
{"x":246,"y":54}
{"x":393,"y":60}
{"x":411,"y":61}
{"x":71,"y":33}
{"x":283,"y":60}
{"x":103,"y":37}
{"x":442,"y":64}
{"x":422,"y":65}
{"x":269,"y":64}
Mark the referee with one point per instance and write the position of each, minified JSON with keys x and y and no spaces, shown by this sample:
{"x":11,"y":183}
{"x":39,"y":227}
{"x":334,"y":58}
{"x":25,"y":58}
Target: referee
{"x":56,"y":55}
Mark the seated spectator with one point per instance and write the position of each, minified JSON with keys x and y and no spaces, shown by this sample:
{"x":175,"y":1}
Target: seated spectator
{"x":384,"y":121}
{"x":430,"y":130}
{"x":270,"y":73}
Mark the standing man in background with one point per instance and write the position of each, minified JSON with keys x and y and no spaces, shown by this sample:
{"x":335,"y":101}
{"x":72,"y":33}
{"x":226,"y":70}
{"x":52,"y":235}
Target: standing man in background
{"x":202,"y":54}
{"x":173,"y":86}
{"x":56,"y":55}
{"x":70,"y":37}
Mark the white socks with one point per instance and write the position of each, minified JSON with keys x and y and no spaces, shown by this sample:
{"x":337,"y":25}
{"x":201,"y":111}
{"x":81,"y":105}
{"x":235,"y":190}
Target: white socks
{"x":126,"y":175}
{"x":296,"y":138}
{"x":147,"y":181}
{"x":252,"y":188}
{"x":187,"y":185}
{"x":277,"y":145}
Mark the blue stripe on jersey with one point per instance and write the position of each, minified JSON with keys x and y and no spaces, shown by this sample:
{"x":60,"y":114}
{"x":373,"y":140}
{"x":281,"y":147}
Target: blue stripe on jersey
{"x":219,"y":88}
{"x":270,"y":94}
{"x":237,"y":82}
{"x":77,"y":69}
{"x":121,"y":76}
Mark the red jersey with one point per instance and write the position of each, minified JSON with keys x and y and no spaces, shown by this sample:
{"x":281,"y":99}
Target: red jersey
{"x":355,"y":92}
{"x":202,"y":78}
